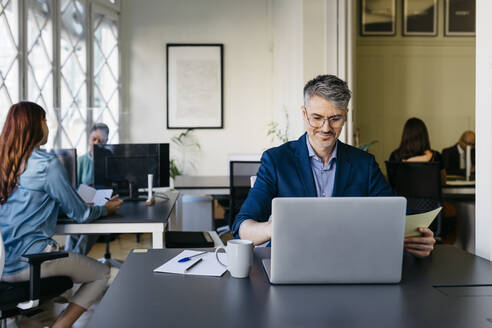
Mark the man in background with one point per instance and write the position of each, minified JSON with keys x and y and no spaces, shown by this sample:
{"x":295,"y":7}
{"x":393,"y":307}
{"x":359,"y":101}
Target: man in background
{"x":85,"y":163}
{"x":82,"y":244}
{"x":455,"y":156}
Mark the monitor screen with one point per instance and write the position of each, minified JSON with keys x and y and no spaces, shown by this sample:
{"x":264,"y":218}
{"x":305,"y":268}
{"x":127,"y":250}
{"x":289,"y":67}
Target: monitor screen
{"x":68,"y":159}
{"x":131,"y":163}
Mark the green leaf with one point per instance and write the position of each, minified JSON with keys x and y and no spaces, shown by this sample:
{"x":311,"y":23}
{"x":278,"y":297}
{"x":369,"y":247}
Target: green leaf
{"x":365,"y":147}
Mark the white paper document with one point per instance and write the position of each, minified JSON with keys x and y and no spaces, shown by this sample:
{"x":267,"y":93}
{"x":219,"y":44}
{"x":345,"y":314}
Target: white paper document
{"x":208,"y":266}
{"x":414,"y":221}
{"x":91,"y":195}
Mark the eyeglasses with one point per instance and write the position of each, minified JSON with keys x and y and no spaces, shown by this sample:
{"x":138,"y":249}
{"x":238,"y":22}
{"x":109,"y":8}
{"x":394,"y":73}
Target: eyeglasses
{"x":316,"y":121}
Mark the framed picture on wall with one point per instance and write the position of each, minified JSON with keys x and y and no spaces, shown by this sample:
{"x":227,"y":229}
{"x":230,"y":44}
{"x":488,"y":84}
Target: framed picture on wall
{"x":194,"y":78}
{"x":377,"y":17}
{"x":460,"y":18}
{"x":420,"y":17}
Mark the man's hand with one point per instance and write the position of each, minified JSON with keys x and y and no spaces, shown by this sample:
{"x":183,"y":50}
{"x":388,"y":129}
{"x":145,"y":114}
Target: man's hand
{"x":420,"y":246}
{"x":113,"y":204}
{"x":257,"y":232}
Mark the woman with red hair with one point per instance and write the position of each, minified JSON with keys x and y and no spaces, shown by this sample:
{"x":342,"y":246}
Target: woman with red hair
{"x":34,"y":188}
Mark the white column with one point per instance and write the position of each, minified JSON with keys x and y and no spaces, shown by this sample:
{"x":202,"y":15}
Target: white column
{"x":339,"y":50}
{"x":287,"y":64}
{"x":483,"y":226}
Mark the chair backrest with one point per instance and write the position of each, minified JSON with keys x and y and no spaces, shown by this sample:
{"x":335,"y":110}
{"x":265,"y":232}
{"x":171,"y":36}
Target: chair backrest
{"x":420,"y":184}
{"x":415,"y":180}
{"x":240,"y":173}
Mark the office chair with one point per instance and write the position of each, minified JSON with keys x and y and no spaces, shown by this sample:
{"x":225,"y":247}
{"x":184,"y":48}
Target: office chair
{"x":107,"y":259}
{"x":240,"y":173}
{"x":420,"y":184}
{"x":24,"y":297}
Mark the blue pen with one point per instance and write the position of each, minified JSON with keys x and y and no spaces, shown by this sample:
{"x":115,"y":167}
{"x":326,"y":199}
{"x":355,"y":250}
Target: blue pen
{"x":184,"y":259}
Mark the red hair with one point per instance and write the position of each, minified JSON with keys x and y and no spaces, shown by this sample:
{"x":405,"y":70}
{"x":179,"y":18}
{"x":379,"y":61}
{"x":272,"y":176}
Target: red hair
{"x":22,"y":131}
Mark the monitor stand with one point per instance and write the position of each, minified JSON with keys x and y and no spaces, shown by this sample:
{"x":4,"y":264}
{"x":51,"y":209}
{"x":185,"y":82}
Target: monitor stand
{"x":133,"y":195}
{"x":133,"y":199}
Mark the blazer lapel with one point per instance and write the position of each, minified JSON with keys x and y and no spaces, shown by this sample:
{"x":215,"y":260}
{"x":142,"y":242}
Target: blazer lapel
{"x":342,"y":173}
{"x":303,"y":167}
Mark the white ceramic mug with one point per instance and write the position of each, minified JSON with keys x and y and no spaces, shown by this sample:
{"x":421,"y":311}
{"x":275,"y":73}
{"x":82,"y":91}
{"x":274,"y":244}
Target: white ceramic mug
{"x":239,"y":257}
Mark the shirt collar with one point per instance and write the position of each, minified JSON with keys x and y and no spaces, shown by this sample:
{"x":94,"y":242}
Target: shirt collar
{"x":312,"y":154}
{"x":461,"y":151}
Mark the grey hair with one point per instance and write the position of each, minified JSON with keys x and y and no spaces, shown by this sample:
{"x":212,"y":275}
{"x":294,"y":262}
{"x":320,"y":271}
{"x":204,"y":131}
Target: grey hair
{"x":328,"y":87}
{"x":101,"y":127}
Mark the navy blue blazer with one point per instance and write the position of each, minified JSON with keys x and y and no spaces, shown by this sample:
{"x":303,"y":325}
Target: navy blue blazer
{"x":285,"y":171}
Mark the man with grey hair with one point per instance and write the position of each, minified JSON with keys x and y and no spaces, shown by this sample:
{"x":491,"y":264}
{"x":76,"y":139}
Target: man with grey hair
{"x":82,"y":244}
{"x":85,"y":163}
{"x":317,"y":164}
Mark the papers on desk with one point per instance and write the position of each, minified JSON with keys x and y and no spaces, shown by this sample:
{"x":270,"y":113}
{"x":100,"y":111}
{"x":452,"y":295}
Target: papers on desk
{"x":91,"y":195}
{"x":412,"y":222}
{"x":460,"y":183}
{"x":208,"y":266}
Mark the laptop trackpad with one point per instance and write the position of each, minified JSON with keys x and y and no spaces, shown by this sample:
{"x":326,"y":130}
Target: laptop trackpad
{"x":266,"y":264}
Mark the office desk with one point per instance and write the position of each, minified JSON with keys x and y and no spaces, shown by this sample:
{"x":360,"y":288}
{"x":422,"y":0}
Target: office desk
{"x":132,"y":217}
{"x":140,"y":298}
{"x":453,"y":192}
{"x":195,"y":204}
{"x":202,"y":185}
{"x":463,"y":199}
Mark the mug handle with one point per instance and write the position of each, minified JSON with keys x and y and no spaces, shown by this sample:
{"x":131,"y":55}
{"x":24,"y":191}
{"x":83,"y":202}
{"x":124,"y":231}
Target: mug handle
{"x":217,"y":255}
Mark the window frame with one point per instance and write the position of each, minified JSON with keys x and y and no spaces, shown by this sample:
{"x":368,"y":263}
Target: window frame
{"x":97,"y":8}
{"x":105,"y":7}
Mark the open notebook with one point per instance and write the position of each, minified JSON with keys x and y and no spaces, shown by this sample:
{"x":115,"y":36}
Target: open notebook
{"x":208,"y":266}
{"x":91,"y":195}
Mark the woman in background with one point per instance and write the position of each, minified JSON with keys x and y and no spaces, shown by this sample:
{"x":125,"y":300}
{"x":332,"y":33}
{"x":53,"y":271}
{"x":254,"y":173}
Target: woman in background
{"x":33,"y":189}
{"x":415,"y":146}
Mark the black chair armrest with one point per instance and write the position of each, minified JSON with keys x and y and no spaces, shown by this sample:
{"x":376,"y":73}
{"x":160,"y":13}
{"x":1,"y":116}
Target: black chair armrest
{"x":41,"y":257}
{"x":35,"y":261}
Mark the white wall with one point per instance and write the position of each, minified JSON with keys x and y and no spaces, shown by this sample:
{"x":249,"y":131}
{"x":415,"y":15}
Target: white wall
{"x":287,"y":64}
{"x":483,"y":226}
{"x":271,"y":48}
{"x":310,"y":38}
{"x":244,"y":27}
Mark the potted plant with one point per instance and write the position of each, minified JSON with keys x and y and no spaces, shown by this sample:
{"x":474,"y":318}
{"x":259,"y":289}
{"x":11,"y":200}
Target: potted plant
{"x":185,"y":142}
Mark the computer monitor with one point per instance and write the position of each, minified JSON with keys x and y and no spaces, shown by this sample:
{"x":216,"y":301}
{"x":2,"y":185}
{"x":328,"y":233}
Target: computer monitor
{"x":68,"y":159}
{"x":125,"y":167}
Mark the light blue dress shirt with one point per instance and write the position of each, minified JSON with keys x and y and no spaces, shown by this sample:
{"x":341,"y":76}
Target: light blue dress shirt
{"x":28,"y":218}
{"x":85,"y":169}
{"x":324,"y":176}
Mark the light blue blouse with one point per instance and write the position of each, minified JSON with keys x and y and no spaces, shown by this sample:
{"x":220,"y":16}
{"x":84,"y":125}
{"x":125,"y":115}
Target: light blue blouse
{"x":28,"y":218}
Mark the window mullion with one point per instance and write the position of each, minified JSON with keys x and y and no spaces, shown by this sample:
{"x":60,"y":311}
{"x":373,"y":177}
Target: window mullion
{"x":56,"y":54}
{"x":22,"y":50}
{"x":56,"y":70}
{"x":90,"y":65}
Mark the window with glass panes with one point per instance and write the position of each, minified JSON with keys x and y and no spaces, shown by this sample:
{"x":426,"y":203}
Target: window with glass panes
{"x":63,"y":55}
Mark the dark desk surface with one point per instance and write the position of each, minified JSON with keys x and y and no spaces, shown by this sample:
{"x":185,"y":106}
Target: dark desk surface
{"x":138,"y":212}
{"x":140,"y":298}
{"x":201,"y":182}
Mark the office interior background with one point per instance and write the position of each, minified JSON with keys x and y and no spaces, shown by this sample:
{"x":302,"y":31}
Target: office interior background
{"x":104,"y":60}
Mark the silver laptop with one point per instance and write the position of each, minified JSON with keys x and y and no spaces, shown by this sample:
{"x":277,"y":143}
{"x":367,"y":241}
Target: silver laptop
{"x":336,"y":240}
